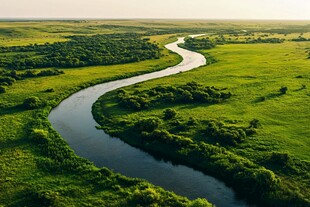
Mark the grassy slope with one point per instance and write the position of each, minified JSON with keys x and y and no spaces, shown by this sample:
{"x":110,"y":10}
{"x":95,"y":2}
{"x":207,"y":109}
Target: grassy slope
{"x":250,"y":72}
{"x":25,"y":181}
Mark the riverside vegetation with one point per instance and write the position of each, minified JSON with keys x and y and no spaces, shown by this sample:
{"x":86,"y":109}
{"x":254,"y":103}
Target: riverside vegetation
{"x":233,"y":120}
{"x":194,"y":119}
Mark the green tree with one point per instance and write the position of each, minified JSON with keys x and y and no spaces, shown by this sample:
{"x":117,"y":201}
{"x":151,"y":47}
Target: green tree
{"x":32,"y":103}
{"x":169,"y":113}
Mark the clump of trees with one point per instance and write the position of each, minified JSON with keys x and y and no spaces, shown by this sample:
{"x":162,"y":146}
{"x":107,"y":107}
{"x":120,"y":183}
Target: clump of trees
{"x":80,"y":51}
{"x":39,"y":135}
{"x":265,"y":40}
{"x":169,"y":114}
{"x":300,"y":39}
{"x":199,"y":44}
{"x":279,"y":158}
{"x":191,"y":92}
{"x":8,"y":78}
{"x":32,"y":103}
{"x":228,"y":135}
{"x":148,"y":124}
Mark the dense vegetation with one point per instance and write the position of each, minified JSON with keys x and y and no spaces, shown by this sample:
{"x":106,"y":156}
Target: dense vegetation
{"x":8,"y":77}
{"x":168,"y":131}
{"x":207,"y":43}
{"x":80,"y":51}
{"x":189,"y":93}
{"x":37,"y":166}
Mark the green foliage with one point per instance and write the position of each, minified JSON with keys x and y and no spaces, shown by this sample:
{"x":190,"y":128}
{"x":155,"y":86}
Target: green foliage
{"x":199,"y":202}
{"x":254,"y":124}
{"x":300,"y":39}
{"x":226,"y":135}
{"x":39,"y":135}
{"x":249,"y":71}
{"x":51,"y":170}
{"x":80,"y":51}
{"x":49,"y":90}
{"x":32,"y":103}
{"x":2,"y":89}
{"x":283,"y":90}
{"x":148,"y":124}
{"x":169,"y":113}
{"x":7,"y":81}
{"x":199,"y":44}
{"x":279,"y":158}
{"x":191,"y":92}
{"x":8,"y":78}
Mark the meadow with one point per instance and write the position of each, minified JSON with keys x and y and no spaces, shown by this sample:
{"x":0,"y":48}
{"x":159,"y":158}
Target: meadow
{"x":254,"y":75}
{"x":37,"y":167}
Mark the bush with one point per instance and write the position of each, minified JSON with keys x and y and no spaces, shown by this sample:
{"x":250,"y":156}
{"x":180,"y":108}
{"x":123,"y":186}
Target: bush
{"x":39,"y":135}
{"x":279,"y":158}
{"x":50,"y":72}
{"x":169,"y":114}
{"x":6,"y":81}
{"x":2,"y":89}
{"x":148,"y":124}
{"x":283,"y":90}
{"x":49,"y":90}
{"x":254,"y":124}
{"x":226,"y":135}
{"x":199,"y":202}
{"x":32,"y":103}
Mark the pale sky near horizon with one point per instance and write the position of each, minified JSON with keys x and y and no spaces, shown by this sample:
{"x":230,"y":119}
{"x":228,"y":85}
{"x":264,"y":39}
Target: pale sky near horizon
{"x":193,"y":9}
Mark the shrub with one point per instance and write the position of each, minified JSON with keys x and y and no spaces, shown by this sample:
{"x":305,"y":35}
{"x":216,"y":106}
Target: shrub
{"x":279,"y":158}
{"x":39,"y":135}
{"x":7,"y":81}
{"x":148,"y":124}
{"x":50,"y":72}
{"x":29,"y":74}
{"x":226,"y":135}
{"x":199,"y":202}
{"x":32,"y":103}
{"x":2,"y":89}
{"x":254,"y":124}
{"x":49,"y":90}
{"x":283,"y":90}
{"x":145,"y":197}
{"x":169,"y":113}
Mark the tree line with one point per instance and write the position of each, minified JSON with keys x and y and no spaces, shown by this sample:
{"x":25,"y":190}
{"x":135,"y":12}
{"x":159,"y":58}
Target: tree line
{"x":207,"y":43}
{"x":80,"y":51}
{"x":191,"y":92}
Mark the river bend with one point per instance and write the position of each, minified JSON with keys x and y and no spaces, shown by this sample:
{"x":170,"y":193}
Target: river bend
{"x":73,"y":120}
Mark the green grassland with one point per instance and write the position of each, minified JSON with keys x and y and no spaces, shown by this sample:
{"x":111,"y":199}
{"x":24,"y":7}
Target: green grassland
{"x":253,"y":73}
{"x":46,"y":172}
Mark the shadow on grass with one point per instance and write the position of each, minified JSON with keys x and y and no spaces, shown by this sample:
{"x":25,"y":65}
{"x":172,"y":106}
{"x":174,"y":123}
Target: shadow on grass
{"x":268,"y":97}
{"x":11,"y":110}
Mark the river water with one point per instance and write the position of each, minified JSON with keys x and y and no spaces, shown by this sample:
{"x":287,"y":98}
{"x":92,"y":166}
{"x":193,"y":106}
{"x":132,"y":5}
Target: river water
{"x":73,"y":120}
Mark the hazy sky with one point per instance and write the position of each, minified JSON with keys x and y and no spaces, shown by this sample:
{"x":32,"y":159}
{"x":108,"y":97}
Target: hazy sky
{"x":202,"y":9}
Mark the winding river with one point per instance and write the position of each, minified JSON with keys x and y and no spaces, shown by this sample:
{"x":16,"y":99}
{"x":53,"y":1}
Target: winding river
{"x":73,"y":120}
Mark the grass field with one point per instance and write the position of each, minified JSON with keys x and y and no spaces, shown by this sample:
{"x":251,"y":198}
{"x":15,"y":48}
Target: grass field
{"x":50,"y":174}
{"x":253,"y":73}
{"x":27,"y":176}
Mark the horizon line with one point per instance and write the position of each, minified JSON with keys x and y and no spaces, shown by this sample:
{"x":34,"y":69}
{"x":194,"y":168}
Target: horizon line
{"x":100,"y":18}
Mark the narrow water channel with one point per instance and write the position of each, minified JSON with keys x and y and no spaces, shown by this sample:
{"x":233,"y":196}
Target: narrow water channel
{"x":73,"y":120}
